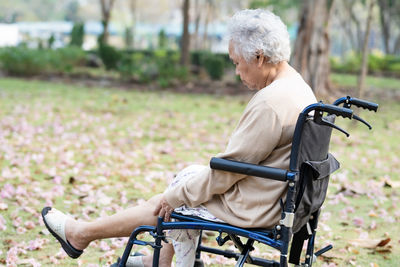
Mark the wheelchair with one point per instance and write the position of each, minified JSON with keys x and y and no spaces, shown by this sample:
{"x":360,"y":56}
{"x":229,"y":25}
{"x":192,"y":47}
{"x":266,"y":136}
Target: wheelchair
{"x":307,"y":180}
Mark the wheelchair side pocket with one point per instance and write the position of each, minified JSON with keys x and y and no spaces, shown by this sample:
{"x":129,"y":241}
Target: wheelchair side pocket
{"x":314,"y":181}
{"x":322,"y":169}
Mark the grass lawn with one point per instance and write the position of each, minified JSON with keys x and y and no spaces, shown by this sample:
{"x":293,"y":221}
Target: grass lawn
{"x":372,"y":82}
{"x":92,"y":152}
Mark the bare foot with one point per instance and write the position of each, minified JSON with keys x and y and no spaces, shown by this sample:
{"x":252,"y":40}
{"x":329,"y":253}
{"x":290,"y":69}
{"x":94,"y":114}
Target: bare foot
{"x":75,"y":234}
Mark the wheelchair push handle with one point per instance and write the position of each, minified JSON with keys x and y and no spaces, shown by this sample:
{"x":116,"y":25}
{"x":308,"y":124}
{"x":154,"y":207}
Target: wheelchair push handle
{"x":364,"y":104}
{"x":348,"y":101}
{"x":336,"y":110}
{"x":248,"y":169}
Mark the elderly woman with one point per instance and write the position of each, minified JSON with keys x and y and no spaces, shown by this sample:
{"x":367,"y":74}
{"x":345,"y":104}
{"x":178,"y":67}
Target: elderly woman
{"x":260,"y":49}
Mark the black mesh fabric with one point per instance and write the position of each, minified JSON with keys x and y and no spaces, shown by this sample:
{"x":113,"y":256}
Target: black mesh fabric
{"x":315,"y":165}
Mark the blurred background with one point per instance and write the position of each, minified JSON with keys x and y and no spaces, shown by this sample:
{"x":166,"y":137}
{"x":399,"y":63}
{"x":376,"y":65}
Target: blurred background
{"x":103,"y":101}
{"x":184,"y":41}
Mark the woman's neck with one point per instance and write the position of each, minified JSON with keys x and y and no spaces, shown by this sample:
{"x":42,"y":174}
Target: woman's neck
{"x":275,"y":71}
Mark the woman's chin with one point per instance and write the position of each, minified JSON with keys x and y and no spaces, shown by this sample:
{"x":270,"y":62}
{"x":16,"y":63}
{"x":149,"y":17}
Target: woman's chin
{"x":250,"y":87}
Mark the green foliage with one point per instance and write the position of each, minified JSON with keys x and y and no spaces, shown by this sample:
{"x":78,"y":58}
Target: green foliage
{"x":109,"y":55}
{"x":196,"y":57}
{"x":278,"y":5}
{"x":393,"y":64}
{"x":65,"y":59}
{"x":214,"y":65}
{"x":77,"y":34}
{"x":162,"y":39}
{"x":377,"y":63}
{"x":164,"y":66}
{"x":134,"y":66}
{"x":160,"y":65}
{"x":281,"y":8}
{"x":40,"y":45}
{"x":352,"y":63}
{"x":128,"y":37}
{"x":22,"y":61}
{"x":258,"y":4}
{"x":50,"y":41}
{"x":394,"y":67}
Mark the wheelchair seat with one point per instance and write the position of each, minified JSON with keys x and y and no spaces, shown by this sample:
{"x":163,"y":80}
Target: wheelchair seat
{"x":307,"y":179}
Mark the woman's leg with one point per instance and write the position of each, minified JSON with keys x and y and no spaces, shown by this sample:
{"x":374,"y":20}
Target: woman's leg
{"x":121,"y":224}
{"x":79,"y":234}
{"x":185,"y":251}
{"x":167,"y":252}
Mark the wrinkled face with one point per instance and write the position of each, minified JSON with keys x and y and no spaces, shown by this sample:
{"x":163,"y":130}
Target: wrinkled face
{"x":249,"y":72}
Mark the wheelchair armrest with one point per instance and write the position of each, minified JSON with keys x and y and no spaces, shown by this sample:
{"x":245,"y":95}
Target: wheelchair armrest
{"x":250,"y":169}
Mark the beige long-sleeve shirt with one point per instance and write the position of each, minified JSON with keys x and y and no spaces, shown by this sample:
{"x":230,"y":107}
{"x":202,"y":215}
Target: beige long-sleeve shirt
{"x":263,"y":136}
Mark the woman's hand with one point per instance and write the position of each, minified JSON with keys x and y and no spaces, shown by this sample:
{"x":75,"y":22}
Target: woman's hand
{"x":163,"y":209}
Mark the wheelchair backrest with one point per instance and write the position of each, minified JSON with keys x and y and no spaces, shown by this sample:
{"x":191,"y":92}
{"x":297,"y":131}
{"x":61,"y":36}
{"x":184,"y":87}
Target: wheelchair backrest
{"x":311,"y":158}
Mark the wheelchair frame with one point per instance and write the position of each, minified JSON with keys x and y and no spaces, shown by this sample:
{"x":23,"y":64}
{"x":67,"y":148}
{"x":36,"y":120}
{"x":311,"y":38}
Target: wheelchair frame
{"x":280,"y":236}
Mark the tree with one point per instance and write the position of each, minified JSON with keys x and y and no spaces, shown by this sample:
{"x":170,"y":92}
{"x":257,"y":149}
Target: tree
{"x":353,"y":26}
{"x":128,"y":37}
{"x":196,"y":24}
{"x":106,"y":8}
{"x":390,"y":18}
{"x":132,"y":28}
{"x":50,"y":41}
{"x":71,"y":11}
{"x":311,"y":49}
{"x":364,"y":64}
{"x":283,"y":8}
{"x":185,"y":41}
{"x":162,"y":39}
{"x":203,"y":12}
{"x":77,"y":34}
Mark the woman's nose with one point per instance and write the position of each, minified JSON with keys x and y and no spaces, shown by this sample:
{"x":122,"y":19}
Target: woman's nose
{"x":237,"y":71}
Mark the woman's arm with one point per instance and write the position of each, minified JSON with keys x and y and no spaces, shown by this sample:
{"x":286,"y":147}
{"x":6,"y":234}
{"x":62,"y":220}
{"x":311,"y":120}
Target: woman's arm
{"x":257,"y":134}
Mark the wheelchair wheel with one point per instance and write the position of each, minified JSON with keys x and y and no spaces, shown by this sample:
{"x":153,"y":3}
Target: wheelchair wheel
{"x":198,"y":263}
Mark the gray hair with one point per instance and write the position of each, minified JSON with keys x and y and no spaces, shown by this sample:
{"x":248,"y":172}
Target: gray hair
{"x":252,"y":31}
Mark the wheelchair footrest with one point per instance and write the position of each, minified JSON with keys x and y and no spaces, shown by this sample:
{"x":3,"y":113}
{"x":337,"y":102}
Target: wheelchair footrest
{"x":323,"y":250}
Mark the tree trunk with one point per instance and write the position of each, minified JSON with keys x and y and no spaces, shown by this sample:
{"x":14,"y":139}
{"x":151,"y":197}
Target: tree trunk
{"x":206,"y":21}
{"x":311,"y":50}
{"x":354,"y":37}
{"x":106,"y":7}
{"x":133,"y":26}
{"x":196,"y":25}
{"x":396,"y":49}
{"x":185,"y":42}
{"x":357,"y":22}
{"x":385,"y":24}
{"x":364,"y":64}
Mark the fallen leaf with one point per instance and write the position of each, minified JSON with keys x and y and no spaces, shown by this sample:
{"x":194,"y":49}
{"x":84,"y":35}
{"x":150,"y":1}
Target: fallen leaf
{"x":358,"y":221}
{"x":332,"y":255}
{"x":389,"y":183}
{"x":71,"y":180}
{"x":384,"y":242}
{"x":369,"y":243}
{"x":3,"y":206}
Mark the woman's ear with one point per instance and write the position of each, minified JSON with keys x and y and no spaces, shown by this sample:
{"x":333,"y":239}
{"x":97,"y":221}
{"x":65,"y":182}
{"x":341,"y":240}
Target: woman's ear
{"x":260,"y":58}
